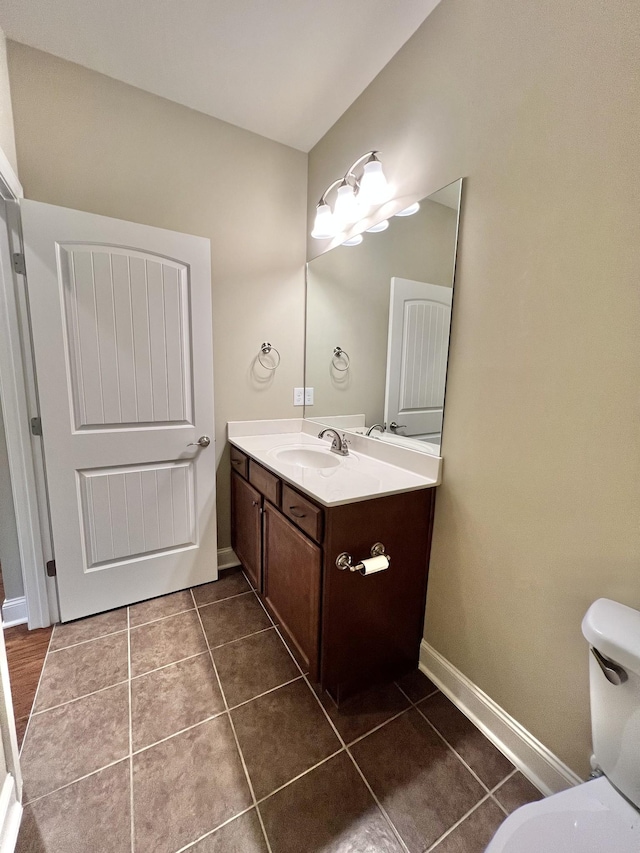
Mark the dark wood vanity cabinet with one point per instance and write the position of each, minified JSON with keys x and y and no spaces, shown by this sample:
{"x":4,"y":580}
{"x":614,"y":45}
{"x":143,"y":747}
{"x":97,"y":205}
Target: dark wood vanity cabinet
{"x":246,"y":528}
{"x":348,"y":630}
{"x":292,"y":566}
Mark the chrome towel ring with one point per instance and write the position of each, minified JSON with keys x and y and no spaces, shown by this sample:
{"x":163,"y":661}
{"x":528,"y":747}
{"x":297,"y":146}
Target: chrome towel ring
{"x":266,"y":349}
{"x":340,"y":355}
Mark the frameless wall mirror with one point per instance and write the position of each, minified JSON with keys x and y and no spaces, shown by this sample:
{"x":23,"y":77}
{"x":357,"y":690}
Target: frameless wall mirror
{"x":377,"y":326}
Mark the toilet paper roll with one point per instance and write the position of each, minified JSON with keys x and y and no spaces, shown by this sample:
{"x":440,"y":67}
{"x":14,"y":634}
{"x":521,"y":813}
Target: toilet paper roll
{"x":375,"y":564}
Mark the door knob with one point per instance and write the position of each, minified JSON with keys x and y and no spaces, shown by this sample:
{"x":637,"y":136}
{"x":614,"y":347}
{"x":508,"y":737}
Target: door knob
{"x":394,"y":426}
{"x":203,"y":441}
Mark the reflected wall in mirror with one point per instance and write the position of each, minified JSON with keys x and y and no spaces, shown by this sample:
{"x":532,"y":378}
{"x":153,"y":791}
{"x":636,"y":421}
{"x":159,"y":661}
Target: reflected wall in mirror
{"x":377,"y":326}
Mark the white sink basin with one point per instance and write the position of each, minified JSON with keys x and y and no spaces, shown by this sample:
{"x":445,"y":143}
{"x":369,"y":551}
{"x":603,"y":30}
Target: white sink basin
{"x":307,"y":457}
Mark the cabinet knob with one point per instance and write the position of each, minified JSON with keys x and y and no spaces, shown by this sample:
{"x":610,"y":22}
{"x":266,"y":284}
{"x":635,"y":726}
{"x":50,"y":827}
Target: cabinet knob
{"x":255,"y":503}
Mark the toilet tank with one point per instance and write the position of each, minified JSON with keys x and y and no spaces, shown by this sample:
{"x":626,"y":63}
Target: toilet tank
{"x":613,"y":630}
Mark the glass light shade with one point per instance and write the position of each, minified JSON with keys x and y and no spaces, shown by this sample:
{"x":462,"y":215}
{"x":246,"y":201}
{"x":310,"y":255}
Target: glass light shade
{"x":346,"y":207}
{"x":374,"y":188}
{"x":324,"y":226}
{"x":353,"y":241}
{"x":409,"y":211}
{"x":381,"y":226}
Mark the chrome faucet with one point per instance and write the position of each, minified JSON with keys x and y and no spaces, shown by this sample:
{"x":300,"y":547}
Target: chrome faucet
{"x":381,"y":427}
{"x":339,"y":444}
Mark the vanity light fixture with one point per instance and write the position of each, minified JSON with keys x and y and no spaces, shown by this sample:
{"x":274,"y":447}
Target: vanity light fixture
{"x":353,"y":241}
{"x":409,"y":211}
{"x":355,"y":197}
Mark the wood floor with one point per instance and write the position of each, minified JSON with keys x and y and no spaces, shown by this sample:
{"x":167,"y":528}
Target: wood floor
{"x":26,"y":651}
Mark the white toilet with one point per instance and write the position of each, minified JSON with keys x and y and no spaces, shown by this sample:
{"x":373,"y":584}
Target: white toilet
{"x":603,"y":814}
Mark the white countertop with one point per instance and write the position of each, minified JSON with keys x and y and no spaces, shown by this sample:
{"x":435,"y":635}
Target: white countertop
{"x":373,"y":469}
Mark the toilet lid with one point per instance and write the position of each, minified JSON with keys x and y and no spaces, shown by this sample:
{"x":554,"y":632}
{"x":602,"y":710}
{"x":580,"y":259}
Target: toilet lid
{"x":590,"y":818}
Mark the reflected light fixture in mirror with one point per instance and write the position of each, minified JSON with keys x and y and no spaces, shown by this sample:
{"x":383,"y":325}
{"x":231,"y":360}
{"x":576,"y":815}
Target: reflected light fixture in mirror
{"x":398,"y":286}
{"x":381,"y":226}
{"x":409,"y":211}
{"x":355,"y":197}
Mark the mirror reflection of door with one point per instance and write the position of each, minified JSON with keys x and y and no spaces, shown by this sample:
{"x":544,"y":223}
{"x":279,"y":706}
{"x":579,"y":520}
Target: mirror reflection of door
{"x":419,"y":322}
{"x":348,"y":304}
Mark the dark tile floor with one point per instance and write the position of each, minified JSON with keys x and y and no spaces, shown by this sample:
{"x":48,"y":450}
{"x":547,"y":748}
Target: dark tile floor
{"x":183,"y":723}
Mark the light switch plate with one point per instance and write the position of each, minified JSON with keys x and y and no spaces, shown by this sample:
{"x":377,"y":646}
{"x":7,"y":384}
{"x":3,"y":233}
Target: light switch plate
{"x":298,"y":396}
{"x":308,"y":396}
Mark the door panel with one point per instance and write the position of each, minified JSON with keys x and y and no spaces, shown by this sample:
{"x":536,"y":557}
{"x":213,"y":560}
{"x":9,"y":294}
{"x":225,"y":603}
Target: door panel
{"x":121,"y":321}
{"x":128,"y":338}
{"x":419,"y":322}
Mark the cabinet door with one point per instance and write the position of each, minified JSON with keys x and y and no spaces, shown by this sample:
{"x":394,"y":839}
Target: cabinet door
{"x":246,"y":511}
{"x":292,"y":569}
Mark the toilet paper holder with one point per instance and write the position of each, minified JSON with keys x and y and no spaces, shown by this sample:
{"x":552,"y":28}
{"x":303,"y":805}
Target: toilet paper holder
{"x":345,"y":560}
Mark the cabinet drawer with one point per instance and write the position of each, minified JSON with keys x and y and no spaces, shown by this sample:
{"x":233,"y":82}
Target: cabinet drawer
{"x":239,"y":462}
{"x":265,"y":482}
{"x":302,"y":512}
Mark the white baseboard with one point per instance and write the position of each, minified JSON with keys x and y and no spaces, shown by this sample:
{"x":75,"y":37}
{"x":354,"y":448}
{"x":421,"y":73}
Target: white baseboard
{"x":10,"y":815}
{"x":227,"y":558}
{"x":544,"y":769}
{"x":14,"y":612}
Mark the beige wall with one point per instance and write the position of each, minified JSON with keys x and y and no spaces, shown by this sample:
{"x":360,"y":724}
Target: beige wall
{"x":7,"y":141}
{"x":348,"y":292}
{"x":536,"y":104}
{"x":89,"y":142}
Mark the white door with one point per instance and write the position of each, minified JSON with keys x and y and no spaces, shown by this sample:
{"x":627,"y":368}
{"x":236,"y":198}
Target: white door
{"x":10,"y":775}
{"x":121,"y":322}
{"x":419,"y":322}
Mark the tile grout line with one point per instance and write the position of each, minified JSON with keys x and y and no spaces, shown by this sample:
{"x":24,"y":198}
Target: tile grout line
{"x":422,"y":698}
{"x":167,"y":665}
{"x":344,"y":746}
{"x":33,"y":704}
{"x":79,"y":779}
{"x":265,"y":693}
{"x":78,"y":698}
{"x":90,"y":640}
{"x":497,"y":788}
{"x":492,"y":790}
{"x":233,"y":730}
{"x":179,"y":732}
{"x":159,"y":618}
{"x":338,"y":735}
{"x":377,"y":801}
{"x":245,"y":637}
{"x":192,"y":844}
{"x":488,"y":793}
{"x":300,"y":776}
{"x":141,"y":624}
{"x":376,"y":728}
{"x":131,"y":815}
{"x":455,"y":752}
{"x":446,"y":833}
{"x":220,"y":600}
{"x":124,"y":680}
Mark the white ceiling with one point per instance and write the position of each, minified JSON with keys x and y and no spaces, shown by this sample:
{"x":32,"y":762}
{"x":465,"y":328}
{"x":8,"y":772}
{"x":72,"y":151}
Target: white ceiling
{"x":286,"y":69}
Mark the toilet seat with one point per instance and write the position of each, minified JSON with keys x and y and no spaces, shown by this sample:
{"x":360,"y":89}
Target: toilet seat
{"x":590,"y":818}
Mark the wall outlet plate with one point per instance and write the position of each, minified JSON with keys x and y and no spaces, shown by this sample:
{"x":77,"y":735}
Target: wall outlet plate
{"x":298,"y":396}
{"x":308,"y":396}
